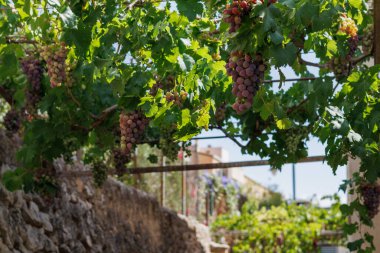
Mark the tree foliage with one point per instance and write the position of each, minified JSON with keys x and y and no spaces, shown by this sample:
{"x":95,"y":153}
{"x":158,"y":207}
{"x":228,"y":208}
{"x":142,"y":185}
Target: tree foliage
{"x":104,"y":58}
{"x":284,"y":228}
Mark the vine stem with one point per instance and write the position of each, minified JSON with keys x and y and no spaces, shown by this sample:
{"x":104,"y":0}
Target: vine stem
{"x":230,"y":137}
{"x":71,"y":95}
{"x":294,"y":108}
{"x":103,"y":115}
{"x":20,"y":41}
{"x":362,"y":57}
{"x":302,"y":61}
{"x":290,"y":80}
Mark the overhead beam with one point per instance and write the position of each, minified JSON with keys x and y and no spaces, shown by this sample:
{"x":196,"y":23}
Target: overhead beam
{"x":376,"y":22}
{"x":191,"y":167}
{"x":207,"y":166}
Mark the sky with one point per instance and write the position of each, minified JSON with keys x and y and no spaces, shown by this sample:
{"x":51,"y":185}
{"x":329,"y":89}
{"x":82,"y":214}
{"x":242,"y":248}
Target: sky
{"x":313,"y":180}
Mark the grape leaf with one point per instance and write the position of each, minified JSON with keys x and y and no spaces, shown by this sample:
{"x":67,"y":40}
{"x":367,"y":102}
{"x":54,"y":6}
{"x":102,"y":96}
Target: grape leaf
{"x":190,"y":8}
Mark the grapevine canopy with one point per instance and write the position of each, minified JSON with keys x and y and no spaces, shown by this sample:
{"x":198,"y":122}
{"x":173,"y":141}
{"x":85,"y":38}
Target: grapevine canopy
{"x":186,"y":66}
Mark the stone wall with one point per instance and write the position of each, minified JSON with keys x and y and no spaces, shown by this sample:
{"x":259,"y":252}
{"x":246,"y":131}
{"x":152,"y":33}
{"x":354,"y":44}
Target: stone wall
{"x":81,"y":218}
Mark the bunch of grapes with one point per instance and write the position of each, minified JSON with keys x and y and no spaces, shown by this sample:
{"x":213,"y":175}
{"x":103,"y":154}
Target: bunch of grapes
{"x":220,"y":113}
{"x":165,"y":85}
{"x":340,"y":66}
{"x":168,"y":146}
{"x":157,"y":85}
{"x":348,"y":26}
{"x":119,"y":160}
{"x":368,"y":38}
{"x":233,"y":13}
{"x":12,"y":121}
{"x":216,"y":57}
{"x":247,"y":73}
{"x":293,"y":137}
{"x":55,"y":57}
{"x":353,"y":43}
{"x":371,"y":198}
{"x":99,"y":173}
{"x":32,"y":68}
{"x":69,"y":74}
{"x":178,"y":98}
{"x":132,"y":126}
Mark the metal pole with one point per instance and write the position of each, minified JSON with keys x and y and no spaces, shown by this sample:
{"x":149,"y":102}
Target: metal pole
{"x":162,"y":196}
{"x":183,"y":183}
{"x":294,"y":180}
{"x":207,"y":205}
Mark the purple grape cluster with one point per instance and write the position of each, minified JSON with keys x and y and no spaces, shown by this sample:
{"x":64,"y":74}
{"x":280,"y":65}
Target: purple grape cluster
{"x":55,"y":57}
{"x":12,"y":121}
{"x":247,"y":73}
{"x":233,"y":14}
{"x":132,"y":126}
{"x":371,"y":197}
{"x":33,"y":70}
{"x":220,"y":113}
{"x":353,"y":43}
{"x":165,"y":85}
{"x":119,"y":160}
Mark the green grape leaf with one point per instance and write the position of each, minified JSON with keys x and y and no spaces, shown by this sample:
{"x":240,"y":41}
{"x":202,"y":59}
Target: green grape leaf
{"x":283,"y":123}
{"x":185,"y":118}
{"x":284,"y":55}
{"x":350,"y":229}
{"x":190,"y":8}
{"x":356,"y":3}
{"x":276,"y":37}
{"x":355,"y":245}
{"x":331,"y":48}
{"x":68,"y":17}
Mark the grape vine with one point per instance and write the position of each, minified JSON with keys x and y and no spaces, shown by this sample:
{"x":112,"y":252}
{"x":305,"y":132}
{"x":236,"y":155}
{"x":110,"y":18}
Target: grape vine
{"x":220,"y":113}
{"x":177,"y":98}
{"x":132,"y":126}
{"x":340,"y":66}
{"x":120,"y":159}
{"x":293,"y":137}
{"x":233,"y":14}
{"x":368,"y":38}
{"x":99,"y":172}
{"x":33,"y":70}
{"x":55,"y":58}
{"x":371,"y":198}
{"x":125,"y":57}
{"x":348,"y":26}
{"x":165,"y":85}
{"x":168,"y":146}
{"x":247,"y":73}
